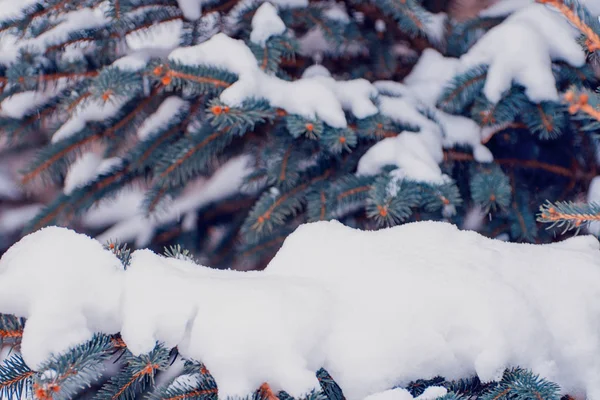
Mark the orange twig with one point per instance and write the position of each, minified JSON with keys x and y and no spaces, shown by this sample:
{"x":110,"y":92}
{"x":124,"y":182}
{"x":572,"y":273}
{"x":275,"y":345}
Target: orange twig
{"x":580,"y":103}
{"x":593,"y":40}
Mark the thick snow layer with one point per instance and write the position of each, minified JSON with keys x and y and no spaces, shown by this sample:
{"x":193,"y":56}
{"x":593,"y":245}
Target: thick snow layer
{"x":423,"y":86}
{"x":312,"y":98}
{"x":417,"y":155}
{"x":521,"y":50}
{"x":266,"y":23}
{"x":446,"y":302}
{"x":45,"y":299}
{"x":168,"y":109}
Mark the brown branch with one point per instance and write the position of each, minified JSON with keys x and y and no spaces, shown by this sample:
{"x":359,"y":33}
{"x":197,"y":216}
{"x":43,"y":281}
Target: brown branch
{"x":16,"y":379}
{"x":580,"y":103}
{"x":352,"y":191}
{"x":191,"y":152}
{"x":11,"y":334}
{"x":452,"y":155}
{"x":267,"y":214}
{"x":593,"y":40}
{"x":195,"y":393}
{"x":149,"y":369}
{"x":46,"y":164}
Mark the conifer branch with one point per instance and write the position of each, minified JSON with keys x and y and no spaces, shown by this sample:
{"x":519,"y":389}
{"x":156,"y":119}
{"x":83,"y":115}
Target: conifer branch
{"x":579,"y":103}
{"x":452,"y":155}
{"x":592,"y":38}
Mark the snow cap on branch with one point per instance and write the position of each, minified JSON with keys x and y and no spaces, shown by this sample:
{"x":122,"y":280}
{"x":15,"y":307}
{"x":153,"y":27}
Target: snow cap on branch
{"x":266,"y":23}
{"x":312,"y":99}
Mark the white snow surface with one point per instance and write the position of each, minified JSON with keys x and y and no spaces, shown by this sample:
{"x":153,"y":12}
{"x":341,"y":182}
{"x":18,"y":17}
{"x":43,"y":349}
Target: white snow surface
{"x":87,"y":167}
{"x":266,"y":23}
{"x":84,"y":18}
{"x":88,"y":111}
{"x":431,"y":393}
{"x":14,"y":9}
{"x":168,"y":109}
{"x":312,"y":98}
{"x":192,"y":9}
{"x":19,"y":104}
{"x":505,"y":7}
{"x":593,"y":196}
{"x":13,"y":219}
{"x":139,"y":228}
{"x":521,"y":50}
{"x":445,"y":302}
{"x":417,"y":155}
{"x":8,"y":187}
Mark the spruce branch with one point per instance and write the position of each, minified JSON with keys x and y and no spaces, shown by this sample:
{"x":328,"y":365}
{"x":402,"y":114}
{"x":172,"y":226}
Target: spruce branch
{"x":15,"y":378}
{"x":568,"y":214}
{"x":580,"y":17}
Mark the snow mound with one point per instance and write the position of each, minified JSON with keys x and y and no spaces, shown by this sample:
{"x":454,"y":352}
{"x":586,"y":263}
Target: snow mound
{"x":266,"y":23}
{"x":521,"y":50}
{"x":68,"y":287}
{"x":414,"y":301}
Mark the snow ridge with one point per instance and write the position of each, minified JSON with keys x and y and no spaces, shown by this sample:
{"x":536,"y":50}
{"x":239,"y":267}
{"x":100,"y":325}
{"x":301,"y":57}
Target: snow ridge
{"x":414,"y":301}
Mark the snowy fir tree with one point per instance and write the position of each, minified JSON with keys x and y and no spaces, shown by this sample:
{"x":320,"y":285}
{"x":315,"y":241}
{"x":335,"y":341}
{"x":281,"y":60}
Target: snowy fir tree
{"x":211,"y":130}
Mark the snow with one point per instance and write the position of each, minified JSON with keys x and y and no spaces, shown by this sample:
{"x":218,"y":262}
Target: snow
{"x":192,"y":9}
{"x":109,"y":211}
{"x":37,"y":278}
{"x":19,"y":104}
{"x":354,"y":95}
{"x":316,"y":70}
{"x":168,"y":109}
{"x":8,"y":188}
{"x":444,"y":303}
{"x":431,"y":393}
{"x":417,"y":155}
{"x":88,"y":111}
{"x":337,"y":12}
{"x":166,"y":35}
{"x":266,"y":23}
{"x":87,"y":167}
{"x":521,"y":50}
{"x":505,"y":7}
{"x":226,"y":181}
{"x":14,"y":9}
{"x":312,"y":98}
{"x":83,"y":18}
{"x":435,"y":27}
{"x":593,"y":196}
{"x":13,"y":219}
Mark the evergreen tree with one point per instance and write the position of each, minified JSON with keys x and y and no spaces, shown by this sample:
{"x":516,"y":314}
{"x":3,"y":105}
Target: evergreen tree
{"x":221,"y":126}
